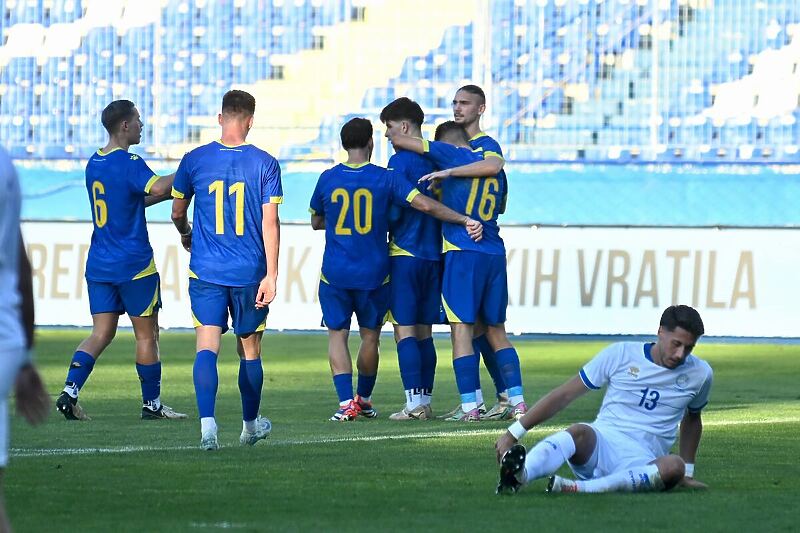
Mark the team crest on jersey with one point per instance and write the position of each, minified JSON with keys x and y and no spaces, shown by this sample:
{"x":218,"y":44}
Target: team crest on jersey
{"x":134,"y":157}
{"x":682,"y":381}
{"x":634,"y":372}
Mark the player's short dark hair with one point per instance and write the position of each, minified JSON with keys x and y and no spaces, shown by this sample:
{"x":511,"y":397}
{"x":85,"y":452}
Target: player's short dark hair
{"x":115,"y":113}
{"x":474,"y":89}
{"x":685,"y":317}
{"x":451,"y":130}
{"x":238,"y":102}
{"x":356,"y":133}
{"x":403,"y":109}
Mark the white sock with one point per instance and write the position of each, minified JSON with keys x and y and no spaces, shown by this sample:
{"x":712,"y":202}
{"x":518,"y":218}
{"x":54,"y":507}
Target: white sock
{"x":548,"y":455}
{"x":249,"y":425}
{"x":515,"y":400}
{"x":469,"y":406}
{"x":636,"y":479}
{"x":153,"y":404}
{"x":72,"y":390}
{"x":208,"y":425}
{"x":345,"y":403}
{"x":479,"y":396}
{"x":425,"y":398}
{"x":413,"y":399}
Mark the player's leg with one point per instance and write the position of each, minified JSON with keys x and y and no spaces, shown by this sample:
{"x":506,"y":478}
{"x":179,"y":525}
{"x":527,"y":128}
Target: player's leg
{"x":371,"y":308}
{"x":501,"y":409}
{"x":105,"y":305}
{"x":429,"y":314}
{"x":337,"y":310}
{"x":427,"y":351}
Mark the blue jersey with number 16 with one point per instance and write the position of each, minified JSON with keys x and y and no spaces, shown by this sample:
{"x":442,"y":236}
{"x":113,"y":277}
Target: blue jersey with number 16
{"x":230,"y":185}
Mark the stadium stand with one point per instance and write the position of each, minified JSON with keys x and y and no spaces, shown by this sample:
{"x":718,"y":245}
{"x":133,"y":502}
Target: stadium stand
{"x":613,"y":80}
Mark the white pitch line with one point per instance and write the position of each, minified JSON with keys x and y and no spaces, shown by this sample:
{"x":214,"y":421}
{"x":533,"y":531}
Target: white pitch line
{"x":49,"y":452}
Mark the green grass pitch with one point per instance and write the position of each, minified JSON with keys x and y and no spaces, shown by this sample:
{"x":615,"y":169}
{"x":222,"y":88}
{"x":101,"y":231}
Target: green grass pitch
{"x":118,"y":473}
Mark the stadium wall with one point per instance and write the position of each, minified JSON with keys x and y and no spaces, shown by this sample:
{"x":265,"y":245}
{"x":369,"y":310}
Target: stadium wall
{"x":592,"y":280}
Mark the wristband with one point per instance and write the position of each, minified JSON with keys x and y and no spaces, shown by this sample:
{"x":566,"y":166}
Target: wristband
{"x":689,"y":470}
{"x":517,"y":430}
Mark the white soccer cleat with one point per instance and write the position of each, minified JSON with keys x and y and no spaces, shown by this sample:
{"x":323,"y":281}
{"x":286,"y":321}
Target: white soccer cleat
{"x":421,"y":412}
{"x":263,"y":429}
{"x":561,"y":484}
{"x":209,"y":441}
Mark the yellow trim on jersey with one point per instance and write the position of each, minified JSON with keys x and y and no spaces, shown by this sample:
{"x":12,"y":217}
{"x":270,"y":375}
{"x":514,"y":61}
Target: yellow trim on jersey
{"x":149,"y":310}
{"x":150,"y":183}
{"x":395,"y":250}
{"x":478,"y":135}
{"x":492,"y":154}
{"x":323,"y":279}
{"x":100,"y":152}
{"x":413,"y":194}
{"x":192,"y":274}
{"x":448,"y":246}
{"x":356,"y":165}
{"x":311,"y":210}
{"x":149,"y":270}
{"x":196,"y":322}
{"x":390,"y":318}
{"x":276,"y":199}
{"x":387,"y":280}
{"x":451,"y":316}
{"x":232,"y":145}
{"x":177,"y":194}
{"x":426,"y":145}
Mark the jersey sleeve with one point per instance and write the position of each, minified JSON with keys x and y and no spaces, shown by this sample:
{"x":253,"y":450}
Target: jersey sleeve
{"x":701,"y":399}
{"x":141,"y":177}
{"x":441,"y":154}
{"x":491,"y":148}
{"x":317,"y":206}
{"x":402,"y":191}
{"x":182,"y":186}
{"x":271,"y":186}
{"x":596,"y":372}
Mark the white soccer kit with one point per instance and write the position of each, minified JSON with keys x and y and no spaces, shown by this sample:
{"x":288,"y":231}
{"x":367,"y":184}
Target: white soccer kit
{"x":643,"y":405}
{"x":12,"y":334}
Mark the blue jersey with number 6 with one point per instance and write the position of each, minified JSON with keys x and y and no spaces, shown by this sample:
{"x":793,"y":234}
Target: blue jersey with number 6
{"x":230,"y":185}
{"x":117,"y":183}
{"x":355,"y":201}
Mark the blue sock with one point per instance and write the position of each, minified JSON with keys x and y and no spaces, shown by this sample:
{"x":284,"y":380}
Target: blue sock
{"x":366,"y":384}
{"x":466,"y":369}
{"x":251,"y":380}
{"x":410,"y":361}
{"x":508,"y":362}
{"x":206,"y":382}
{"x":428,"y":355}
{"x":344,"y":386}
{"x":150,"y":378}
{"x":79,"y":369}
{"x":482,"y":346}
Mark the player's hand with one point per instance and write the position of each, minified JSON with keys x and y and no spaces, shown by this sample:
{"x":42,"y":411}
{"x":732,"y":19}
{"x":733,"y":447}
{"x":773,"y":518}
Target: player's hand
{"x":502,"y":445}
{"x":186,"y":241}
{"x":33,"y":402}
{"x":266,"y":292}
{"x":692,"y":483}
{"x":474,"y":229}
{"x":435,"y":177}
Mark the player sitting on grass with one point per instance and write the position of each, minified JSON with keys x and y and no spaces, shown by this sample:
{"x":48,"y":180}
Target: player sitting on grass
{"x":351,"y":202}
{"x":475,"y":282}
{"x":651,"y":389}
{"x":121,"y":274}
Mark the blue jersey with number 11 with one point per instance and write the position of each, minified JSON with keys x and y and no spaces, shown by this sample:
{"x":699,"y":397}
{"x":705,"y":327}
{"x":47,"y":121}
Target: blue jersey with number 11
{"x":230,"y":185}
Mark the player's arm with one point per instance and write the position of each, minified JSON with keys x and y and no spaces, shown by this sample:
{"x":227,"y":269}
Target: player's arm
{"x":407,"y":142}
{"x":547,"y":407}
{"x":271,"y":230}
{"x":160,"y":190}
{"x":180,"y":217}
{"x":317,"y":222}
{"x":690,"y":432}
{"x":431,"y":207}
{"x":490,"y":166}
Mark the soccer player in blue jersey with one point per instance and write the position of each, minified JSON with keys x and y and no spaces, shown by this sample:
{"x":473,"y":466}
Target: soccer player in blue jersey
{"x":121,"y":274}
{"x":652,"y":389}
{"x":351,"y":202}
{"x":475,"y":284}
{"x":415,"y":287}
{"x":234,"y":265}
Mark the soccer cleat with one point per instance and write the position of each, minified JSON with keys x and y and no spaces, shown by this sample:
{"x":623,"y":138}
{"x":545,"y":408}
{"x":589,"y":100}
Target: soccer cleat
{"x":263,"y":429}
{"x":474,"y":415}
{"x":364,"y":407}
{"x":346,"y":413}
{"x":163,"y":411}
{"x":561,"y":484}
{"x":520,"y":409}
{"x":68,"y":406}
{"x":512,"y":466}
{"x":421,"y":412}
{"x":456,"y":413}
{"x":500,"y":411}
{"x":209,"y":441}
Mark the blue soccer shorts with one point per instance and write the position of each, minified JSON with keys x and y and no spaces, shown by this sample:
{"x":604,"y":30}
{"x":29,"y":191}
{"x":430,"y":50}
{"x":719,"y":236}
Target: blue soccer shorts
{"x":416,"y":291}
{"x":212,"y":304}
{"x":475,"y":285}
{"x":338,"y":306}
{"x":138,"y":297}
